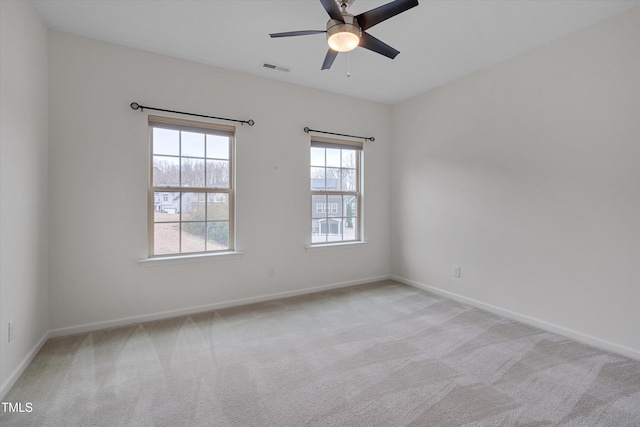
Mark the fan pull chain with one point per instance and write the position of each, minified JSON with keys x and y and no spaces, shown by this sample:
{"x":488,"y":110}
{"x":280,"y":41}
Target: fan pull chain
{"x":348,"y":64}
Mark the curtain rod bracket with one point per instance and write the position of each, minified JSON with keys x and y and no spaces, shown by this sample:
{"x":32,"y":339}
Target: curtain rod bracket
{"x":136,"y":106}
{"x":366,"y":138}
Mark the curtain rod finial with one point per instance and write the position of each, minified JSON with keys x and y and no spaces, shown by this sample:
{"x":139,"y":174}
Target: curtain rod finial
{"x":134,"y":105}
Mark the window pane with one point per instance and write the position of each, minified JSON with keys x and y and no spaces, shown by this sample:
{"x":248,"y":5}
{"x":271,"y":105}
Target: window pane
{"x":318,"y":231}
{"x":166,"y":141}
{"x":217,"y":147}
{"x":317,"y":156}
{"x":334,"y":207}
{"x":192,"y":144}
{"x":166,"y":171}
{"x":192,"y":172}
{"x":217,"y":235}
{"x":333,"y":157}
{"x":349,"y":180}
{"x":193,"y":236}
{"x":350,"y":231}
{"x":218,"y":173}
{"x":334,"y":229}
{"x":318,"y":206}
{"x":350,"y":206}
{"x":317,"y":179}
{"x":166,"y":206}
{"x":349,"y":159}
{"x":193,"y":206}
{"x":166,"y":238}
{"x":333,"y":179}
{"x":217,"y":206}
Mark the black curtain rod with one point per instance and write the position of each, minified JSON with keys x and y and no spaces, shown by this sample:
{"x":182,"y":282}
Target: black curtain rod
{"x":136,"y":106}
{"x":366,"y":138}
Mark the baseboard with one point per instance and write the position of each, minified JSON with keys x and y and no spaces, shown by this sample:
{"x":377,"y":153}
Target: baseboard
{"x":541,"y":324}
{"x":9,"y":382}
{"x":73,"y":330}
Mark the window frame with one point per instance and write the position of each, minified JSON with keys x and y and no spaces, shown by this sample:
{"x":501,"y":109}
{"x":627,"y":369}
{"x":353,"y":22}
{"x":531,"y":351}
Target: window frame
{"x":358,"y":147}
{"x":205,"y":128}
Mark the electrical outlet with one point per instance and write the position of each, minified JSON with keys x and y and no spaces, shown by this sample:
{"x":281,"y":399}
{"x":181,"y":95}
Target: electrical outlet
{"x":271,"y":271}
{"x":456,"y":271}
{"x":12,"y":329}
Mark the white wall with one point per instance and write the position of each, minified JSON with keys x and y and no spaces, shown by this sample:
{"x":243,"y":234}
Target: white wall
{"x":99,"y":171}
{"x":24,"y":292}
{"x":527,"y":175}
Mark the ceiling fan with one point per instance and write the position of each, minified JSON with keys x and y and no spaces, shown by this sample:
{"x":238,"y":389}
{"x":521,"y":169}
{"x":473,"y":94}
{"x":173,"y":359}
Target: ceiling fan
{"x":345,"y":31}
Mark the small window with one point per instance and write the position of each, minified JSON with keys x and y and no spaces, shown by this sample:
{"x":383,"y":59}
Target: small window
{"x":191,"y":187}
{"x":335,"y":190}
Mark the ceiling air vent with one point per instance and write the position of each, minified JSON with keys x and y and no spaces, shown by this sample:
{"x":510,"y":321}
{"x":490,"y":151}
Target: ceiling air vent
{"x":276,"y":67}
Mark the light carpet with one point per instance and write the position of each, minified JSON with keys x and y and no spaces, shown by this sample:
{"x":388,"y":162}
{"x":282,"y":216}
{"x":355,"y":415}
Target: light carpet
{"x":382,"y":354}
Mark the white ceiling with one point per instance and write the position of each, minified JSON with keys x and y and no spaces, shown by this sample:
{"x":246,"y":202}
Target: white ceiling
{"x":438,"y":40}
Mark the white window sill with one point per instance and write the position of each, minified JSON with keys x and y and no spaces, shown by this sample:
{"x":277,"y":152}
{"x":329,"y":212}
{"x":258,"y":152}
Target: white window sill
{"x":330,"y":246}
{"x":183,"y":259}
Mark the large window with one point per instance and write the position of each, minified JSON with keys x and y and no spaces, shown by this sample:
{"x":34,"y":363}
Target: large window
{"x":335,"y":190}
{"x":191,"y":187}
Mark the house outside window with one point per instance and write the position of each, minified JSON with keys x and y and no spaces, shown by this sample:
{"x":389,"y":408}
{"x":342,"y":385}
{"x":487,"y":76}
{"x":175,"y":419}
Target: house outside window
{"x":335,"y":190}
{"x":191,"y":187}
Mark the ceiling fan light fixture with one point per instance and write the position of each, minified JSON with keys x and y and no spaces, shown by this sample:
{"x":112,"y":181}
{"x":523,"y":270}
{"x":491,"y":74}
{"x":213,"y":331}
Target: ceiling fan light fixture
{"x":343,"y":41}
{"x":343,"y":36}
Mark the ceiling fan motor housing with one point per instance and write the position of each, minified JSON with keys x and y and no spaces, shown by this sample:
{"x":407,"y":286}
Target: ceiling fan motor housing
{"x":343,"y":36}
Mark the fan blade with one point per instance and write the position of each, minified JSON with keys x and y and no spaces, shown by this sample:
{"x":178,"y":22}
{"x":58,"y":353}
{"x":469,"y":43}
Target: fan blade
{"x":332,"y":9}
{"x":375,"y":16}
{"x":328,"y":60}
{"x":367,"y":41}
{"x":296,"y":33}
